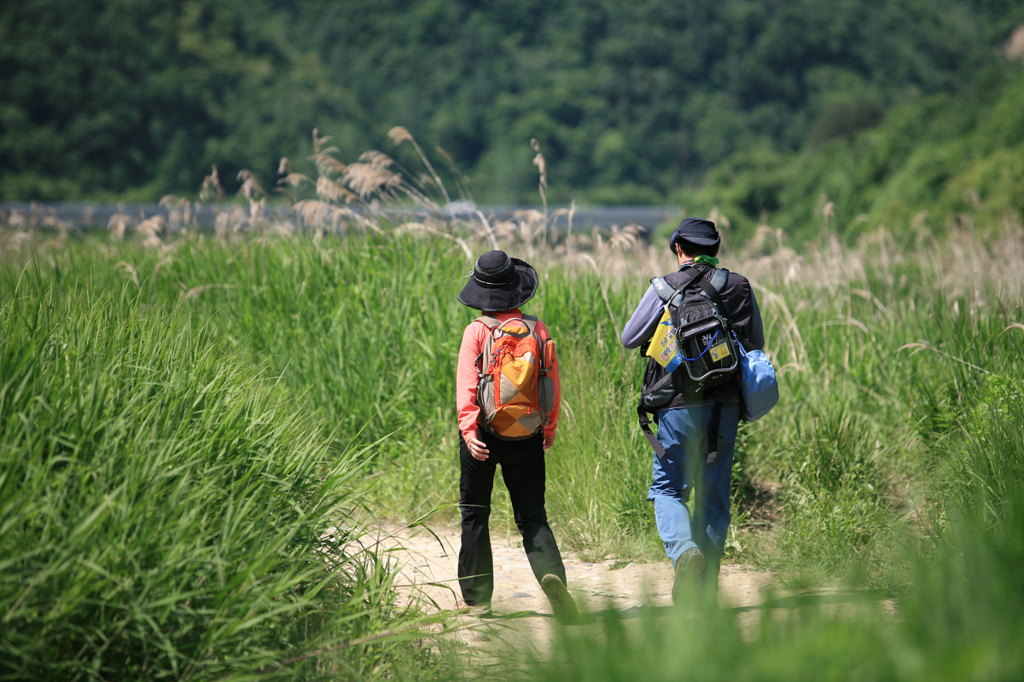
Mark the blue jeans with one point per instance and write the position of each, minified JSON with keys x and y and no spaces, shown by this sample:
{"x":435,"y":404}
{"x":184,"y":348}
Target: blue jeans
{"x":684,"y":434}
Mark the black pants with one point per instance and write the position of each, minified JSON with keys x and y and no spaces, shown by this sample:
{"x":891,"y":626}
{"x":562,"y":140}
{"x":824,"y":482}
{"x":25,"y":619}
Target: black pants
{"x":522,"y":468}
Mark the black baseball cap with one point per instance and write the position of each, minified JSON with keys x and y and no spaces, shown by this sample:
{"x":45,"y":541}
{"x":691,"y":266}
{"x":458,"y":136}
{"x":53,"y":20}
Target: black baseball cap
{"x":696,"y":231}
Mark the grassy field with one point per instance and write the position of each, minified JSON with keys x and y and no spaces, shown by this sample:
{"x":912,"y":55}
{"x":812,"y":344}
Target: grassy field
{"x":185,"y":416}
{"x":166,"y":507}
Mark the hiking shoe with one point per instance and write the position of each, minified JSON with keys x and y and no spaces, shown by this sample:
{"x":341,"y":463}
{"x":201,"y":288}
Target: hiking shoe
{"x":475,"y":610}
{"x":562,"y":603}
{"x":689,"y":566}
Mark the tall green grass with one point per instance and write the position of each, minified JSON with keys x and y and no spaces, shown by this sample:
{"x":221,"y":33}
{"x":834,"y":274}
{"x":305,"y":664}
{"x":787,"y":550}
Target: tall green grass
{"x":364,"y":334}
{"x":267,"y":365}
{"x":891,"y":357}
{"x":164,"y":505}
{"x":957,"y":619}
{"x":881,"y":349}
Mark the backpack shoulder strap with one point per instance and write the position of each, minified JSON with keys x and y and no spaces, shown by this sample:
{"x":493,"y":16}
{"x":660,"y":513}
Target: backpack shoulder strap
{"x":531,"y":324}
{"x":712,"y":293}
{"x":489,"y":321}
{"x":662,"y":288}
{"x":719,"y":279}
{"x":674,"y":297}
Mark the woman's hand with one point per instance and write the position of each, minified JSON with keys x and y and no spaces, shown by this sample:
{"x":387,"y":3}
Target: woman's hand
{"x":477,"y":448}
{"x":549,"y":441}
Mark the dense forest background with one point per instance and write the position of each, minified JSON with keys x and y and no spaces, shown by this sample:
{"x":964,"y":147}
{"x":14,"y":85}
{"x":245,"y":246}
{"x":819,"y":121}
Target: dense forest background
{"x":764,"y":109}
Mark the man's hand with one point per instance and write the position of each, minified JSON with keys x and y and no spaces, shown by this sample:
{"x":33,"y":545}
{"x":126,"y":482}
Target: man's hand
{"x":549,"y":441}
{"x":477,"y":448}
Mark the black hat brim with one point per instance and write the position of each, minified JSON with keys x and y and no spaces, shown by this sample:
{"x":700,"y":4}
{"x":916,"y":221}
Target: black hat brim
{"x":678,"y":236}
{"x":506,"y":297}
{"x":699,"y":241}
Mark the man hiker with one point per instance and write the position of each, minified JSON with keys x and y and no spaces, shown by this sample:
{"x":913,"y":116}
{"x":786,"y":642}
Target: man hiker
{"x":696,"y":426}
{"x":508,"y":393}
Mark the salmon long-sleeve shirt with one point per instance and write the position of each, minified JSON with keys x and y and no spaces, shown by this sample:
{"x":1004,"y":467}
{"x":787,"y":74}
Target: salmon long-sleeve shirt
{"x":467,"y":377}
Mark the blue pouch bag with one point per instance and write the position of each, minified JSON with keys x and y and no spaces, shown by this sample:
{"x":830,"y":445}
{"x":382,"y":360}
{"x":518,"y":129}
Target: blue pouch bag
{"x":758,"y":385}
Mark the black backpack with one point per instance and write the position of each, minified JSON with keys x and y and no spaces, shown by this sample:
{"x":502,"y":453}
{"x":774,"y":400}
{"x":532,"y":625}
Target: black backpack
{"x":704,"y":339}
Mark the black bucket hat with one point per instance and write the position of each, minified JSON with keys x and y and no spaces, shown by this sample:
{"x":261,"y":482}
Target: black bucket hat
{"x":499,"y":282}
{"x":696,"y":231}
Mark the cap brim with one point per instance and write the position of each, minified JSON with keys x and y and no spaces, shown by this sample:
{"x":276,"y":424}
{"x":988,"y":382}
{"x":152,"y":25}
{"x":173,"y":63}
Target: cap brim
{"x":699,"y":241}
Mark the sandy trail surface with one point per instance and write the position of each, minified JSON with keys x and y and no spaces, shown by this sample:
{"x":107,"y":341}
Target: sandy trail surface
{"x":427,"y":563}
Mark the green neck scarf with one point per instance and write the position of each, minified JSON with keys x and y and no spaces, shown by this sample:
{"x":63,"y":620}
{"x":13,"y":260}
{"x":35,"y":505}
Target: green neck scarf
{"x":706,"y":260}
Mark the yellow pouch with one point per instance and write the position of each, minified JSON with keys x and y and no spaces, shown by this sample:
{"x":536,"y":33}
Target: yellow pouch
{"x":663,"y":343}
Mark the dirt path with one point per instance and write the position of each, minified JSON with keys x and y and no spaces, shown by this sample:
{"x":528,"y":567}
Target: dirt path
{"x":428,"y":567}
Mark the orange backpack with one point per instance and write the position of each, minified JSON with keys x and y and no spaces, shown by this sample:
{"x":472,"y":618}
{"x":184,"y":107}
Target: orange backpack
{"x":514,"y":392}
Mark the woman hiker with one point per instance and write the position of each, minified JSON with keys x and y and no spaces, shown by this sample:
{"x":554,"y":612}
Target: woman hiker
{"x":513,"y":433}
